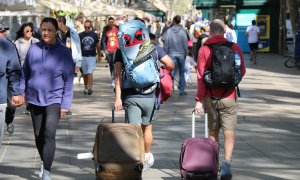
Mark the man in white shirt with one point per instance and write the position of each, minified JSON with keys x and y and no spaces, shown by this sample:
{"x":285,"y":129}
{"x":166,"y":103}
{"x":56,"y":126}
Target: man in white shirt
{"x":252,"y":32}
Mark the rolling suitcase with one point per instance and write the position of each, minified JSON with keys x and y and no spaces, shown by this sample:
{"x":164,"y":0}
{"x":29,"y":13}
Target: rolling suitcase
{"x":199,"y":156}
{"x":118,"y":151}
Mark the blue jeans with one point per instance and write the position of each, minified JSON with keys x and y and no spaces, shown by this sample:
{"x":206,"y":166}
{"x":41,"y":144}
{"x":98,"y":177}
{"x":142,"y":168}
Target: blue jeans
{"x":2,"y":117}
{"x":180,"y":62}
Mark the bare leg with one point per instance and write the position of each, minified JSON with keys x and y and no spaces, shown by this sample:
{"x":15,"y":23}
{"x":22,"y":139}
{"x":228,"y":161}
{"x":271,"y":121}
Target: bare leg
{"x":251,"y":55}
{"x":148,"y":138}
{"x":89,"y":81}
{"x":85,"y":80}
{"x":254,"y":56}
{"x":229,"y":140}
{"x":214,"y":135}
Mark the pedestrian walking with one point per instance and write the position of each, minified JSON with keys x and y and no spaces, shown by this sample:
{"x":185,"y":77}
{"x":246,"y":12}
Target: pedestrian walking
{"x":110,"y":44}
{"x":10,"y":73}
{"x":229,"y":34}
{"x":79,"y":23}
{"x":156,"y":29}
{"x":70,"y":38}
{"x":195,"y":32}
{"x":220,"y":103}
{"x":23,"y":41}
{"x":140,"y":106}
{"x":252,"y":32}
{"x":189,"y":62}
{"x":176,"y":46}
{"x":90,"y":46}
{"x":47,"y":81}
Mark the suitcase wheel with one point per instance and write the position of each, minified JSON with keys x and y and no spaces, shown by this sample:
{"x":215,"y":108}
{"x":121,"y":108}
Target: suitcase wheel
{"x":139,"y":167}
{"x":99,"y":167}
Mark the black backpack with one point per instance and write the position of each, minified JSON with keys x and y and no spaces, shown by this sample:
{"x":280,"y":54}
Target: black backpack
{"x":222,"y":73}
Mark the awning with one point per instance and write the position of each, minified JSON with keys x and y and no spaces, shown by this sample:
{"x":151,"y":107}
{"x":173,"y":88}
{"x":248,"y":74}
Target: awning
{"x":207,"y":4}
{"x":101,"y":9}
{"x":160,"y":5}
{"x":149,"y":8}
{"x":22,"y":7}
{"x":37,"y":5}
{"x":16,"y":5}
{"x":59,"y":5}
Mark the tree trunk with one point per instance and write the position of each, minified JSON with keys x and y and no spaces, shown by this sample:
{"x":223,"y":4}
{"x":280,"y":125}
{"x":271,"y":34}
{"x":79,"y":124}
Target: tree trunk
{"x":282,"y":28}
{"x":294,"y":14}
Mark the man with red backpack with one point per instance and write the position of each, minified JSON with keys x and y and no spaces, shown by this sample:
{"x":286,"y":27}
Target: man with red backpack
{"x":215,"y":95}
{"x":110,"y":43}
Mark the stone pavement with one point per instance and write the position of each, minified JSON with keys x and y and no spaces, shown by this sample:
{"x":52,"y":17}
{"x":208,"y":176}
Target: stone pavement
{"x":268,"y":131}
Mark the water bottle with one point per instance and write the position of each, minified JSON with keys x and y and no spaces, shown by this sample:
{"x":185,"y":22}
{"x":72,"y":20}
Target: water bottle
{"x":237,"y":63}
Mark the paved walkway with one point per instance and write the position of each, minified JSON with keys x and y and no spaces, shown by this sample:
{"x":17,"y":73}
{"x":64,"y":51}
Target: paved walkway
{"x":268,"y":133}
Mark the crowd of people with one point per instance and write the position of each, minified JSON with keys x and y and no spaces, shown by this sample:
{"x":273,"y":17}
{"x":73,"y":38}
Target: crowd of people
{"x":38,"y":70}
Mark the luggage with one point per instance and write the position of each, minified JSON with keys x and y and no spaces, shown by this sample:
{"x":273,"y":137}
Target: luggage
{"x":199,"y":156}
{"x":119,"y":151}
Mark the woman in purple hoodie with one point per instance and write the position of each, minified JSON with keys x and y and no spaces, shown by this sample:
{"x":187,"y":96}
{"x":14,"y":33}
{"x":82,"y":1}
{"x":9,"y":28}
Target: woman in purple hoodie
{"x":47,"y":79}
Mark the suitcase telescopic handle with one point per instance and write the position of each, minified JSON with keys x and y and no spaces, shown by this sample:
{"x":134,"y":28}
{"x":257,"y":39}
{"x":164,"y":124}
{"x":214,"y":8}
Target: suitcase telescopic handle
{"x":205,"y":122}
{"x":113,"y":114}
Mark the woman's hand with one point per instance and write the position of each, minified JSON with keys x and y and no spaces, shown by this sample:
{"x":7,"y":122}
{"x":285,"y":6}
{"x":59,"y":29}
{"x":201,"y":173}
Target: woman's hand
{"x":63,"y":112}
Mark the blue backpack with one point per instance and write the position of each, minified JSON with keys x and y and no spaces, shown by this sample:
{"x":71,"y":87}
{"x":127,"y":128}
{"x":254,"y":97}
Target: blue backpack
{"x":143,"y":77}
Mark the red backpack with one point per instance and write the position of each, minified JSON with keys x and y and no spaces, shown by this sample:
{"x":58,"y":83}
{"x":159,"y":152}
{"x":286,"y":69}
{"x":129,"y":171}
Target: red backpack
{"x":166,"y":84}
{"x":112,"y":40}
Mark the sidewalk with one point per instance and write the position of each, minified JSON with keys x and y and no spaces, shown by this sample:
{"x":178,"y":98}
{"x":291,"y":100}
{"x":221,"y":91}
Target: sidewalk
{"x":268,"y":131}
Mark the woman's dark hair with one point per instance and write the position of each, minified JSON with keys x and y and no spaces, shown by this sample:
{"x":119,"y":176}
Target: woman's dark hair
{"x":50,"y":20}
{"x":20,"y":32}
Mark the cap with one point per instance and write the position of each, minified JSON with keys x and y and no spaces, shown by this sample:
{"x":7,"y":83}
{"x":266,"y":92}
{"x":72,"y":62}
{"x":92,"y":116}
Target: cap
{"x":2,"y":28}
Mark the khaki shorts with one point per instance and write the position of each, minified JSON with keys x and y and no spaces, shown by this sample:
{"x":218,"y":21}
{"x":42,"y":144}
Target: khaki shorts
{"x":223,"y":116}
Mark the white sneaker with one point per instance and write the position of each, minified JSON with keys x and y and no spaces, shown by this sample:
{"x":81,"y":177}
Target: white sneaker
{"x":149,"y":161}
{"x":42,"y":170}
{"x":46,"y":175}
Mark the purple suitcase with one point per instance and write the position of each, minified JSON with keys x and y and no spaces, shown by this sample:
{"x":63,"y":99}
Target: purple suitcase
{"x":199,"y":156}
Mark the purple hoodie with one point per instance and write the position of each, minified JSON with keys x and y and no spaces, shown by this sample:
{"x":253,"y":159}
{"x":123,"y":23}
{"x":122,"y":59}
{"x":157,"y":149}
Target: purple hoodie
{"x":47,"y":75}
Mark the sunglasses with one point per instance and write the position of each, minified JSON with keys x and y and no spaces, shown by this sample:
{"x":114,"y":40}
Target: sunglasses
{"x":28,"y":31}
{"x":87,"y":27}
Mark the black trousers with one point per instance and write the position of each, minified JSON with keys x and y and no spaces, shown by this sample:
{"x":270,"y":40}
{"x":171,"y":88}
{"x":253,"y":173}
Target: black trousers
{"x":10,"y":109}
{"x":45,"y":120}
{"x":110,"y":57}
